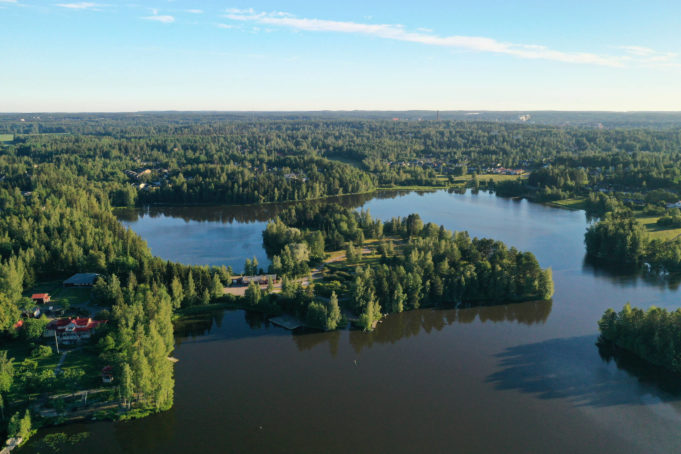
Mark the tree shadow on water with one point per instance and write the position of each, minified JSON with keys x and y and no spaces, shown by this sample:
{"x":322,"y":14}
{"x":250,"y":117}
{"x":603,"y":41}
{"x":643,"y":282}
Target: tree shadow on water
{"x":575,"y":370}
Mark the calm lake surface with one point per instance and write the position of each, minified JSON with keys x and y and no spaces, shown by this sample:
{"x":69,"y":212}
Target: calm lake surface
{"x":522,"y":378}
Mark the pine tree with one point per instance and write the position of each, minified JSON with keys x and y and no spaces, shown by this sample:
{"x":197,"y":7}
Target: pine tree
{"x":217,"y":289}
{"x":333,"y":313}
{"x":190,"y":291}
{"x":398,"y":299}
{"x":177,"y":292}
{"x":126,"y":386}
{"x":253,"y":294}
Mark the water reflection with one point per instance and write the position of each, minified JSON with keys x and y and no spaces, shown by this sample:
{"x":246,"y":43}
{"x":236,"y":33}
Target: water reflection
{"x":644,"y":371}
{"x":630,"y":275}
{"x":218,"y":325}
{"x":244,"y":213}
{"x":307,"y":341}
{"x":568,"y":369}
{"x":408,"y":324}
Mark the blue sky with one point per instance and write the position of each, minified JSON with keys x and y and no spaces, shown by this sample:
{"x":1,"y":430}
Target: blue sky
{"x":67,"y":55}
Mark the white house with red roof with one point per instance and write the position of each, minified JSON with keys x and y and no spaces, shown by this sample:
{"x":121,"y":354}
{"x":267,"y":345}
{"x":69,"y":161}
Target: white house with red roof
{"x":73,"y":330}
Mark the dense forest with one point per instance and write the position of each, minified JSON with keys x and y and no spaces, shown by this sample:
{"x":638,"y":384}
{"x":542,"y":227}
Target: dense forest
{"x":409,"y":265}
{"x":66,"y":225}
{"x":653,"y":335}
{"x":61,"y":176}
{"x":166,"y":158}
{"x":619,"y":238}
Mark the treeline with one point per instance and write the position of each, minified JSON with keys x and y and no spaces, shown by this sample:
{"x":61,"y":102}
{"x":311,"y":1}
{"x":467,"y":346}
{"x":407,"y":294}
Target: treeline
{"x":417,"y":265}
{"x":653,"y":335}
{"x":232,"y":159}
{"x":277,"y":180}
{"x":65,"y":225}
{"x":620,"y":239}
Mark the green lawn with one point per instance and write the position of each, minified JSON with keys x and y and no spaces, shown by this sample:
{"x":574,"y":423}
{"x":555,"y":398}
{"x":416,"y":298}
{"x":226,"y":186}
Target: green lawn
{"x":86,"y":358}
{"x":496,"y":178}
{"x":6,"y":137}
{"x":572,"y":204}
{"x":661,"y":233}
{"x":20,"y":350}
{"x":60,"y":295}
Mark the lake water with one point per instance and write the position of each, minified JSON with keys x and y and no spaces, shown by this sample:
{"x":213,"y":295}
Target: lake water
{"x":522,"y":378}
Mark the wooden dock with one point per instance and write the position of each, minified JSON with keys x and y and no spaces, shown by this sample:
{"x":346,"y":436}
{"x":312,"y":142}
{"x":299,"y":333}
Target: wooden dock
{"x":287,"y":321}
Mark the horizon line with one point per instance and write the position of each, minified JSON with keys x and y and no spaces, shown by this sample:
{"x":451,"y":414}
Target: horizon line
{"x":333,"y":111}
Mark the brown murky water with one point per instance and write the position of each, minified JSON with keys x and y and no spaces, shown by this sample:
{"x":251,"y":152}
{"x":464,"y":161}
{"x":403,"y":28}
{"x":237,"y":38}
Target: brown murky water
{"x":521,"y":378}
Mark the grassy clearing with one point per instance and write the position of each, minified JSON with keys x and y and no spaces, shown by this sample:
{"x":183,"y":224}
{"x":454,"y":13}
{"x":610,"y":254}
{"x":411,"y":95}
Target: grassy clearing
{"x":411,"y":188}
{"x":20,"y":350}
{"x":87,"y":359}
{"x":460,"y":181}
{"x":60,"y":295}
{"x":84,"y":357}
{"x":572,"y":204}
{"x":656,"y":232}
{"x":6,"y":137}
{"x":496,"y":178}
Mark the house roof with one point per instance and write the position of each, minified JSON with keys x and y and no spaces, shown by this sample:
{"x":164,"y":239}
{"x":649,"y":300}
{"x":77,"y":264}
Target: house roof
{"x":82,"y":279}
{"x":81,"y":324}
{"x":37,"y":296}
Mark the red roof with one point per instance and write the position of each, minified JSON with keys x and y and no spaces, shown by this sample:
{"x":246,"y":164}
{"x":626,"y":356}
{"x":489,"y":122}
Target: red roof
{"x":81,"y":324}
{"x":19,"y":324}
{"x":39,"y":296}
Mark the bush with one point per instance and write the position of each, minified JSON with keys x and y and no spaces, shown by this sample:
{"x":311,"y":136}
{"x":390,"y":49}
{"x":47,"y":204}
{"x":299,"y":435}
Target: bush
{"x":34,"y":328}
{"x":669,"y":222}
{"x":42,"y":351}
{"x":20,"y":426}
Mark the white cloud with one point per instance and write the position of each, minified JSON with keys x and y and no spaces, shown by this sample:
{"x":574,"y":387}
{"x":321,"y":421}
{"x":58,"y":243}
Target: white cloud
{"x":648,"y":55}
{"x":8,"y":1}
{"x":424,"y":36}
{"x":163,"y":19}
{"x":638,"y":50}
{"x":195,"y":11}
{"x":240,"y":11}
{"x":225,"y":26}
{"x":79,"y":5}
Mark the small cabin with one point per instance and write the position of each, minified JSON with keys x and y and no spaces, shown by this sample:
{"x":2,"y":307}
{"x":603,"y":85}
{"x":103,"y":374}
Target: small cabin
{"x":40,"y":298}
{"x":107,"y":374}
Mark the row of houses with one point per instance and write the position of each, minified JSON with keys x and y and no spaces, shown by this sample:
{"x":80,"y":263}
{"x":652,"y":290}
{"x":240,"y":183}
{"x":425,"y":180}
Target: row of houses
{"x":262,"y":279}
{"x":505,"y":171}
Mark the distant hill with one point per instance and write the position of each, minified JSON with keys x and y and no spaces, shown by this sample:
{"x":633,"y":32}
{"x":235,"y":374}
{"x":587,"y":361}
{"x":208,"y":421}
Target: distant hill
{"x":32,"y":123}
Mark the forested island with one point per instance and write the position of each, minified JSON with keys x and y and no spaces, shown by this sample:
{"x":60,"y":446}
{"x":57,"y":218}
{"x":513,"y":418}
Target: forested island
{"x":385,"y":267}
{"x":61,"y":177}
{"x":653,"y":335}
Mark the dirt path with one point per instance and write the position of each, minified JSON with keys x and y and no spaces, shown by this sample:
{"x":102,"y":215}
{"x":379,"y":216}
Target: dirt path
{"x":57,"y":370}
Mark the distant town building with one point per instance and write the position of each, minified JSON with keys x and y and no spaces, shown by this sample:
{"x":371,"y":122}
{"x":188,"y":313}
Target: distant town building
{"x":674,"y":205}
{"x":262,"y":279}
